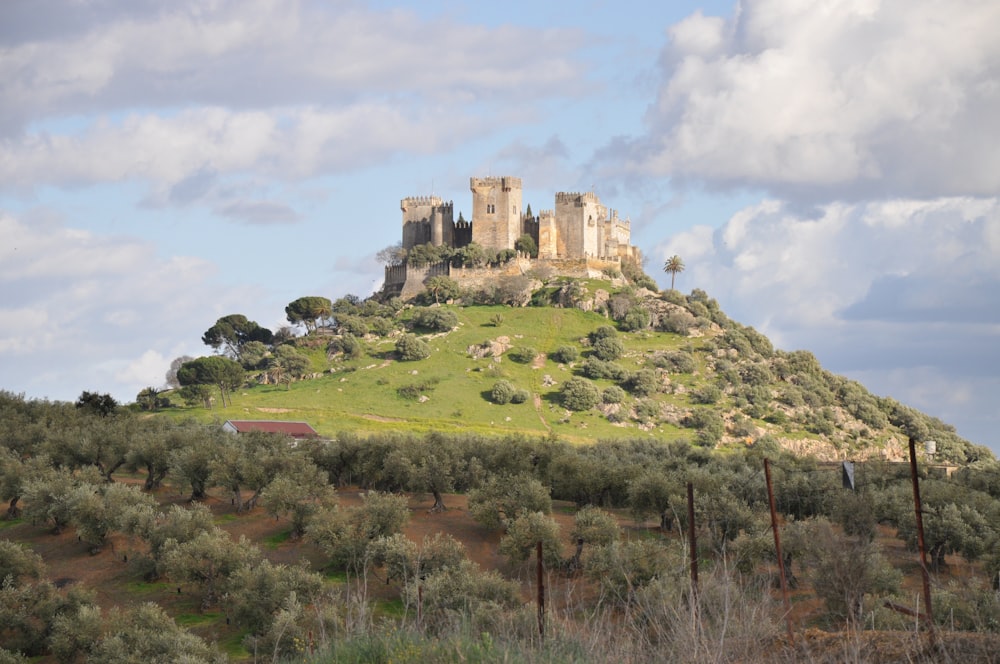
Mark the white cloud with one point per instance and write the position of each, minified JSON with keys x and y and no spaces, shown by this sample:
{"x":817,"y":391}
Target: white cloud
{"x":84,"y":309}
{"x":879,"y":291}
{"x":832,"y":99}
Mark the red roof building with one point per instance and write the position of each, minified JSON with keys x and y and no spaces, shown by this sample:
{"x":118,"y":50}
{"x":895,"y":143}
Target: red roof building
{"x":296,"y":430}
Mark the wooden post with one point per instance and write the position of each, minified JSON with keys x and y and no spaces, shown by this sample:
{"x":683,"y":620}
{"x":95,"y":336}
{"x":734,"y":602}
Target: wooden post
{"x":541,"y":592}
{"x":777,"y":548}
{"x":929,"y":615}
{"x":691,"y":540}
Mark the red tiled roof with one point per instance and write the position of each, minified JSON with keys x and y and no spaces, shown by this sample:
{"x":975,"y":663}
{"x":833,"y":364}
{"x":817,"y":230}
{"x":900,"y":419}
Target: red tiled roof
{"x":293,"y":429}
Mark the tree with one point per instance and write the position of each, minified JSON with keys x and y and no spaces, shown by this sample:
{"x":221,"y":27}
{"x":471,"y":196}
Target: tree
{"x":175,"y":364}
{"x":145,"y":633}
{"x":255,"y":593}
{"x":208,"y":560}
{"x":579,"y":394}
{"x":526,"y":245}
{"x":502,"y":498}
{"x":232,"y":331}
{"x":593,"y":526}
{"x":410,"y":347}
{"x":523,"y":535}
{"x":673,"y":265}
{"x":224,"y":373}
{"x":149,"y":399}
{"x":309,"y":311}
{"x":98,"y":404}
{"x":394,"y":254}
{"x":97,"y":510}
{"x":287,"y":364}
{"x":440,"y":287}
{"x":300,"y":496}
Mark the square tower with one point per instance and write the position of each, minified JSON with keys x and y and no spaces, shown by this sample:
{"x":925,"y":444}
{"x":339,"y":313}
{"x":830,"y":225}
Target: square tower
{"x":496,"y":211}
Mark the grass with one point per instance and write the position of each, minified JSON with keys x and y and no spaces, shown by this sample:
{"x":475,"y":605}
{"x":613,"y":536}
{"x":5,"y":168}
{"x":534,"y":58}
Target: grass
{"x":276,"y":540}
{"x":146,"y":588}
{"x":196,"y":619}
{"x":9,"y":523}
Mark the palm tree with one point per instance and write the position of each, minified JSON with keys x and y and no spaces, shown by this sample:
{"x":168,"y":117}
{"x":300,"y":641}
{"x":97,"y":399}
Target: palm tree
{"x":673,"y":265}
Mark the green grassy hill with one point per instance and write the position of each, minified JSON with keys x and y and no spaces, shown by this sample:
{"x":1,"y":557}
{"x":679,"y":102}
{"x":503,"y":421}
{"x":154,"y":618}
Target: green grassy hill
{"x":715,"y":382}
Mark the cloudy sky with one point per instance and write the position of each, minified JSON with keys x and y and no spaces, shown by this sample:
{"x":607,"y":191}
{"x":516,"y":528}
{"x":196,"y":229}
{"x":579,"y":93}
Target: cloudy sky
{"x":829,"y":171}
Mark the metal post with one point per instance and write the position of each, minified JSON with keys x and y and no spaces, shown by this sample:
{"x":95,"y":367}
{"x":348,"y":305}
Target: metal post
{"x":541,"y":592}
{"x":691,"y":540}
{"x":777,"y":548}
{"x":929,"y":616}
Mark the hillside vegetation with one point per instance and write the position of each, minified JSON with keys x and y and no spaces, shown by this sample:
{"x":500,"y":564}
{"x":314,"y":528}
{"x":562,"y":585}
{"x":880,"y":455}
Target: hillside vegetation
{"x":585,"y":360}
{"x":462,"y":440}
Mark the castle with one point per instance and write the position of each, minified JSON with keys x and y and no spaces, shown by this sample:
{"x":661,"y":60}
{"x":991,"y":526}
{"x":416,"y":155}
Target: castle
{"x":580,"y":236}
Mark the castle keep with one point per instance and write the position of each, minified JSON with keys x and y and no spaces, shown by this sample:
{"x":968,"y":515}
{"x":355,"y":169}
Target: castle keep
{"x":579,"y":236}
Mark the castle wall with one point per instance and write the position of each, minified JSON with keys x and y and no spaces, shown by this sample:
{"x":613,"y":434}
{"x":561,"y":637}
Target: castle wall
{"x":547,"y":235}
{"x":579,"y":224}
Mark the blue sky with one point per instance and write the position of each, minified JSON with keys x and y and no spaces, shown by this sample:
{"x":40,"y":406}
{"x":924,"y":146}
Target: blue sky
{"x":828,"y":171}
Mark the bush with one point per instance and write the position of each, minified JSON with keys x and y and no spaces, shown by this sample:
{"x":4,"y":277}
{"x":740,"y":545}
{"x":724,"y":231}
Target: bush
{"x":596,"y":369}
{"x":676,"y":361}
{"x":410,"y":347}
{"x":381,"y":325}
{"x":352,"y":325}
{"x":647,"y":410}
{"x":603,"y":332}
{"x":565,"y":354}
{"x":520,"y":396}
{"x":709,"y":424}
{"x":579,"y":394}
{"x":613,"y":394}
{"x":678,"y":322}
{"x":522,"y":354}
{"x":439,"y":320}
{"x":636,"y":319}
{"x":643,"y":383}
{"x":502,"y":392}
{"x":608,"y":349}
{"x":347,"y":344}
{"x":707,"y":394}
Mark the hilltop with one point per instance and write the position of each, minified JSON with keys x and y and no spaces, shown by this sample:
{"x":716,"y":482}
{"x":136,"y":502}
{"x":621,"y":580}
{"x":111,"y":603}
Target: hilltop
{"x":640,"y":364}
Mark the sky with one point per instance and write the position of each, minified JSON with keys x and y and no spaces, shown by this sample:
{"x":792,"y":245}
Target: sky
{"x":828,"y":171}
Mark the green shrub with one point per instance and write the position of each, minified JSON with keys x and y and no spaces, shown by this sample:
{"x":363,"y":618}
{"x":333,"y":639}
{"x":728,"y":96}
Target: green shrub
{"x":439,"y":320}
{"x":520,"y":396}
{"x":410,"y":347}
{"x":613,"y":394}
{"x":603,"y":332}
{"x":352,"y":325}
{"x":522,"y":354}
{"x":579,"y":394}
{"x":637,"y":318}
{"x":647,"y":410}
{"x":381,"y":325}
{"x":596,"y":369}
{"x":707,"y":394}
{"x":643,"y":383}
{"x":608,"y":349}
{"x":565,"y":354}
{"x":502,"y":392}
{"x":676,"y":361}
{"x":678,"y":322}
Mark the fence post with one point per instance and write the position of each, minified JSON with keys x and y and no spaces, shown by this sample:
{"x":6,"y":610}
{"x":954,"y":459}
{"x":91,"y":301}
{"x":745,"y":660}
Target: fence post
{"x":777,"y":548}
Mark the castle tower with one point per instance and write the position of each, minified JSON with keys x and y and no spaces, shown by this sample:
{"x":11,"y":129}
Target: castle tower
{"x":427,"y":219}
{"x":496,"y":211}
{"x":580,"y":224}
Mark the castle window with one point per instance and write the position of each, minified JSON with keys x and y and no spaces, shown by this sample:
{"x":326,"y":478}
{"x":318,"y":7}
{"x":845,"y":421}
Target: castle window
{"x":491,"y":209}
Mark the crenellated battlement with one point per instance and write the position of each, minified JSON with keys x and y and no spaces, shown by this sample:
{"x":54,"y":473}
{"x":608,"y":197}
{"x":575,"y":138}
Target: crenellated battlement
{"x":502,"y":182}
{"x":420,"y":201}
{"x":576,"y":197}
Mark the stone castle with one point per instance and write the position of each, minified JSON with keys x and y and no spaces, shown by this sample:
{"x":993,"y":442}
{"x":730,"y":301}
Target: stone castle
{"x":579,"y":237}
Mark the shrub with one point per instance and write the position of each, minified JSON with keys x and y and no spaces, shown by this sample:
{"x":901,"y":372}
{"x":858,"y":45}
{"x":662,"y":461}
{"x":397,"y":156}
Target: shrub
{"x":676,"y":361}
{"x":502,"y":392}
{"x":410,"y":347}
{"x":603,"y":332}
{"x":613,"y":394}
{"x":636,"y":319}
{"x":520,"y":396}
{"x":643,"y":383}
{"x":347,"y":344}
{"x":579,"y":394}
{"x":522,"y":354}
{"x":440,"y":320}
{"x":381,"y":325}
{"x":565,"y":354}
{"x":678,"y":322}
{"x":608,"y":349}
{"x":647,"y":410}
{"x":595,"y":369}
{"x":709,"y":424}
{"x":352,"y":325}
{"x":706,"y":394}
